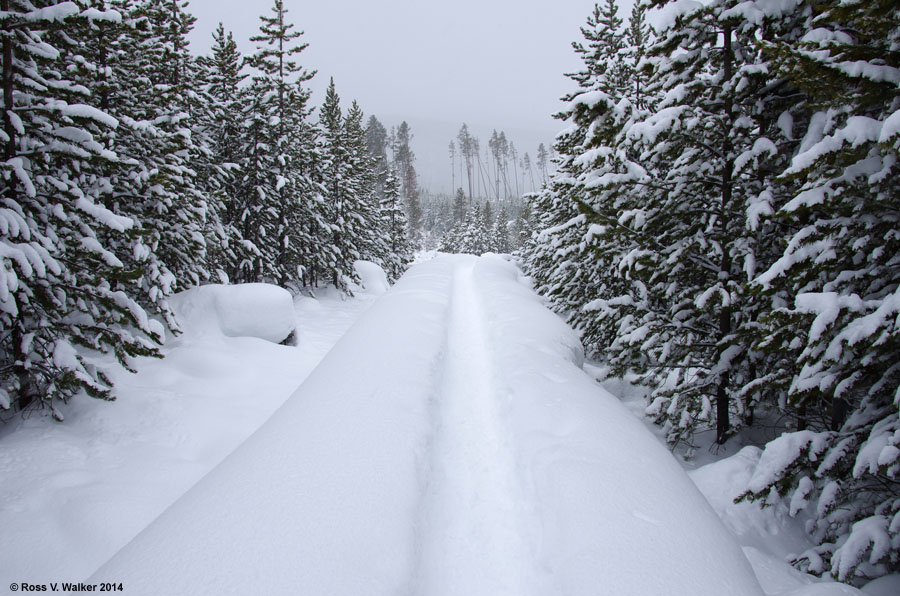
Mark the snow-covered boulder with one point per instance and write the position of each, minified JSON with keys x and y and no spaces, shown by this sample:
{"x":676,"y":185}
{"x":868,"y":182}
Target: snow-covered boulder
{"x":372,"y":277}
{"x":243,"y":310}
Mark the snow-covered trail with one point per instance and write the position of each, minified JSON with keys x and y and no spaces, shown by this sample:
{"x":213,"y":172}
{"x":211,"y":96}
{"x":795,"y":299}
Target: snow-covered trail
{"x":449,"y":444}
{"x":474,"y":535}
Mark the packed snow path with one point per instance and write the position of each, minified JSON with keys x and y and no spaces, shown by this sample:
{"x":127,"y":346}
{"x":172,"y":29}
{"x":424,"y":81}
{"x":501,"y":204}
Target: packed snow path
{"x":474,"y":525}
{"x":448,"y":444}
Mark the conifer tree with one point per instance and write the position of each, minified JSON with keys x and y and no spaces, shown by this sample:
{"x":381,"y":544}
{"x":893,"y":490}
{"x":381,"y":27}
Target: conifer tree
{"x":460,"y":206}
{"x":639,"y":38}
{"x":153,"y":182}
{"x":220,"y":126}
{"x":62,"y":260}
{"x":282,"y":219}
{"x":604,"y":40}
{"x":650,"y":231}
{"x":562,"y":264}
{"x":500,"y":232}
{"x":365,"y":214}
{"x":487,"y":214}
{"x":841,"y":265}
{"x":404,"y":159}
{"x":413,"y":204}
{"x":377,"y":142}
{"x":708,"y":160}
{"x":340,"y":195}
{"x":543,"y":157}
{"x":467,"y":149}
{"x":154,"y":104}
{"x":475,"y":237}
{"x":394,"y":229}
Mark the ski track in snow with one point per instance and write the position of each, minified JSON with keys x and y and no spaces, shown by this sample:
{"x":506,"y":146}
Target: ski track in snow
{"x":473,"y":538}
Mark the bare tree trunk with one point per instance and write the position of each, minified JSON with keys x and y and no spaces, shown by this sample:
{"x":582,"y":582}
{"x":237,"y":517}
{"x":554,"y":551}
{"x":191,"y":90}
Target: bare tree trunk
{"x":484,"y":185}
{"x":516,"y":175}
{"x":452,"y":169}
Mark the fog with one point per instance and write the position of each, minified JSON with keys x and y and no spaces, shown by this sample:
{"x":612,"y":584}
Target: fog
{"x":493,"y":64}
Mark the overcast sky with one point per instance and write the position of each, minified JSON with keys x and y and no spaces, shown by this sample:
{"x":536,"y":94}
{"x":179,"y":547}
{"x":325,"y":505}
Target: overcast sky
{"x":494,"y":64}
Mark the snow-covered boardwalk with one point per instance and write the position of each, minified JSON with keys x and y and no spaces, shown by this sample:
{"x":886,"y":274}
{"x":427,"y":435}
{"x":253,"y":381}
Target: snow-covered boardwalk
{"x":448,"y":444}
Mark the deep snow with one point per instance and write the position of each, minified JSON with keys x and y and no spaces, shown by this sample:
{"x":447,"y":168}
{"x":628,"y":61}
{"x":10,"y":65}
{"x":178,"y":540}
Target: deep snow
{"x":466,"y":454}
{"x":449,"y":444}
{"x":74,"y":493}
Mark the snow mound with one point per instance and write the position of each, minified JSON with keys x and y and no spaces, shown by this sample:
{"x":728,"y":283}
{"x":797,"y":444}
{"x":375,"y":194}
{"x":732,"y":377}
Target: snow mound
{"x":771,"y":529}
{"x":373,"y":278}
{"x":244,"y":310}
{"x":768,"y":535}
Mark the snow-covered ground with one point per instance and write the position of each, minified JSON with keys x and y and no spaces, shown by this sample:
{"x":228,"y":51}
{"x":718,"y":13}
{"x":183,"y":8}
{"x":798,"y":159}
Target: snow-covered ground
{"x":74,"y":493}
{"x":449,"y":443}
{"x":768,"y":536}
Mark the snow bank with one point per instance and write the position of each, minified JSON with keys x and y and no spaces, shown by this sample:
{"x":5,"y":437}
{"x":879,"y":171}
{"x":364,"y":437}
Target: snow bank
{"x":614,"y":508}
{"x":768,"y":536}
{"x":323,"y":498}
{"x":74,"y":494}
{"x":780,"y":579}
{"x":244,"y":310}
{"x":770,"y":529}
{"x":373,"y":278}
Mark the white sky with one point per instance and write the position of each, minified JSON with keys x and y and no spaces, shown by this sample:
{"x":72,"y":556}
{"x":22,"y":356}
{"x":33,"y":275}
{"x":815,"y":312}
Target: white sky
{"x":494,"y":64}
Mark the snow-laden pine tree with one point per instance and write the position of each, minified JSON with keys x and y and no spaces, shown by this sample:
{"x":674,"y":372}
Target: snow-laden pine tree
{"x":394,"y":229}
{"x":404,"y":159}
{"x":564,"y":259}
{"x":413,"y":204}
{"x":153,"y":182}
{"x":639,"y":36}
{"x":377,"y":142}
{"x":342,"y":196}
{"x":119,"y":61}
{"x":604,"y":42}
{"x":704,"y":161}
{"x":64,"y":251}
{"x":283,"y":219}
{"x":152,"y":100}
{"x":842,"y":271}
{"x":365,"y":220}
{"x":500,"y":231}
{"x":451,"y":238}
{"x":475,"y":238}
{"x":218,"y":125}
{"x":460,"y":206}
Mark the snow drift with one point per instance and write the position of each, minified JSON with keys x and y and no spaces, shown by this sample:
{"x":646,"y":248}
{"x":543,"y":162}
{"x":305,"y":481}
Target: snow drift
{"x":449,"y":427}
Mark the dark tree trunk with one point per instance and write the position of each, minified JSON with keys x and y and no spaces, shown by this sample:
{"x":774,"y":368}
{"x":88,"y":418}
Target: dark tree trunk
{"x":723,"y":421}
{"x":10,"y":149}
